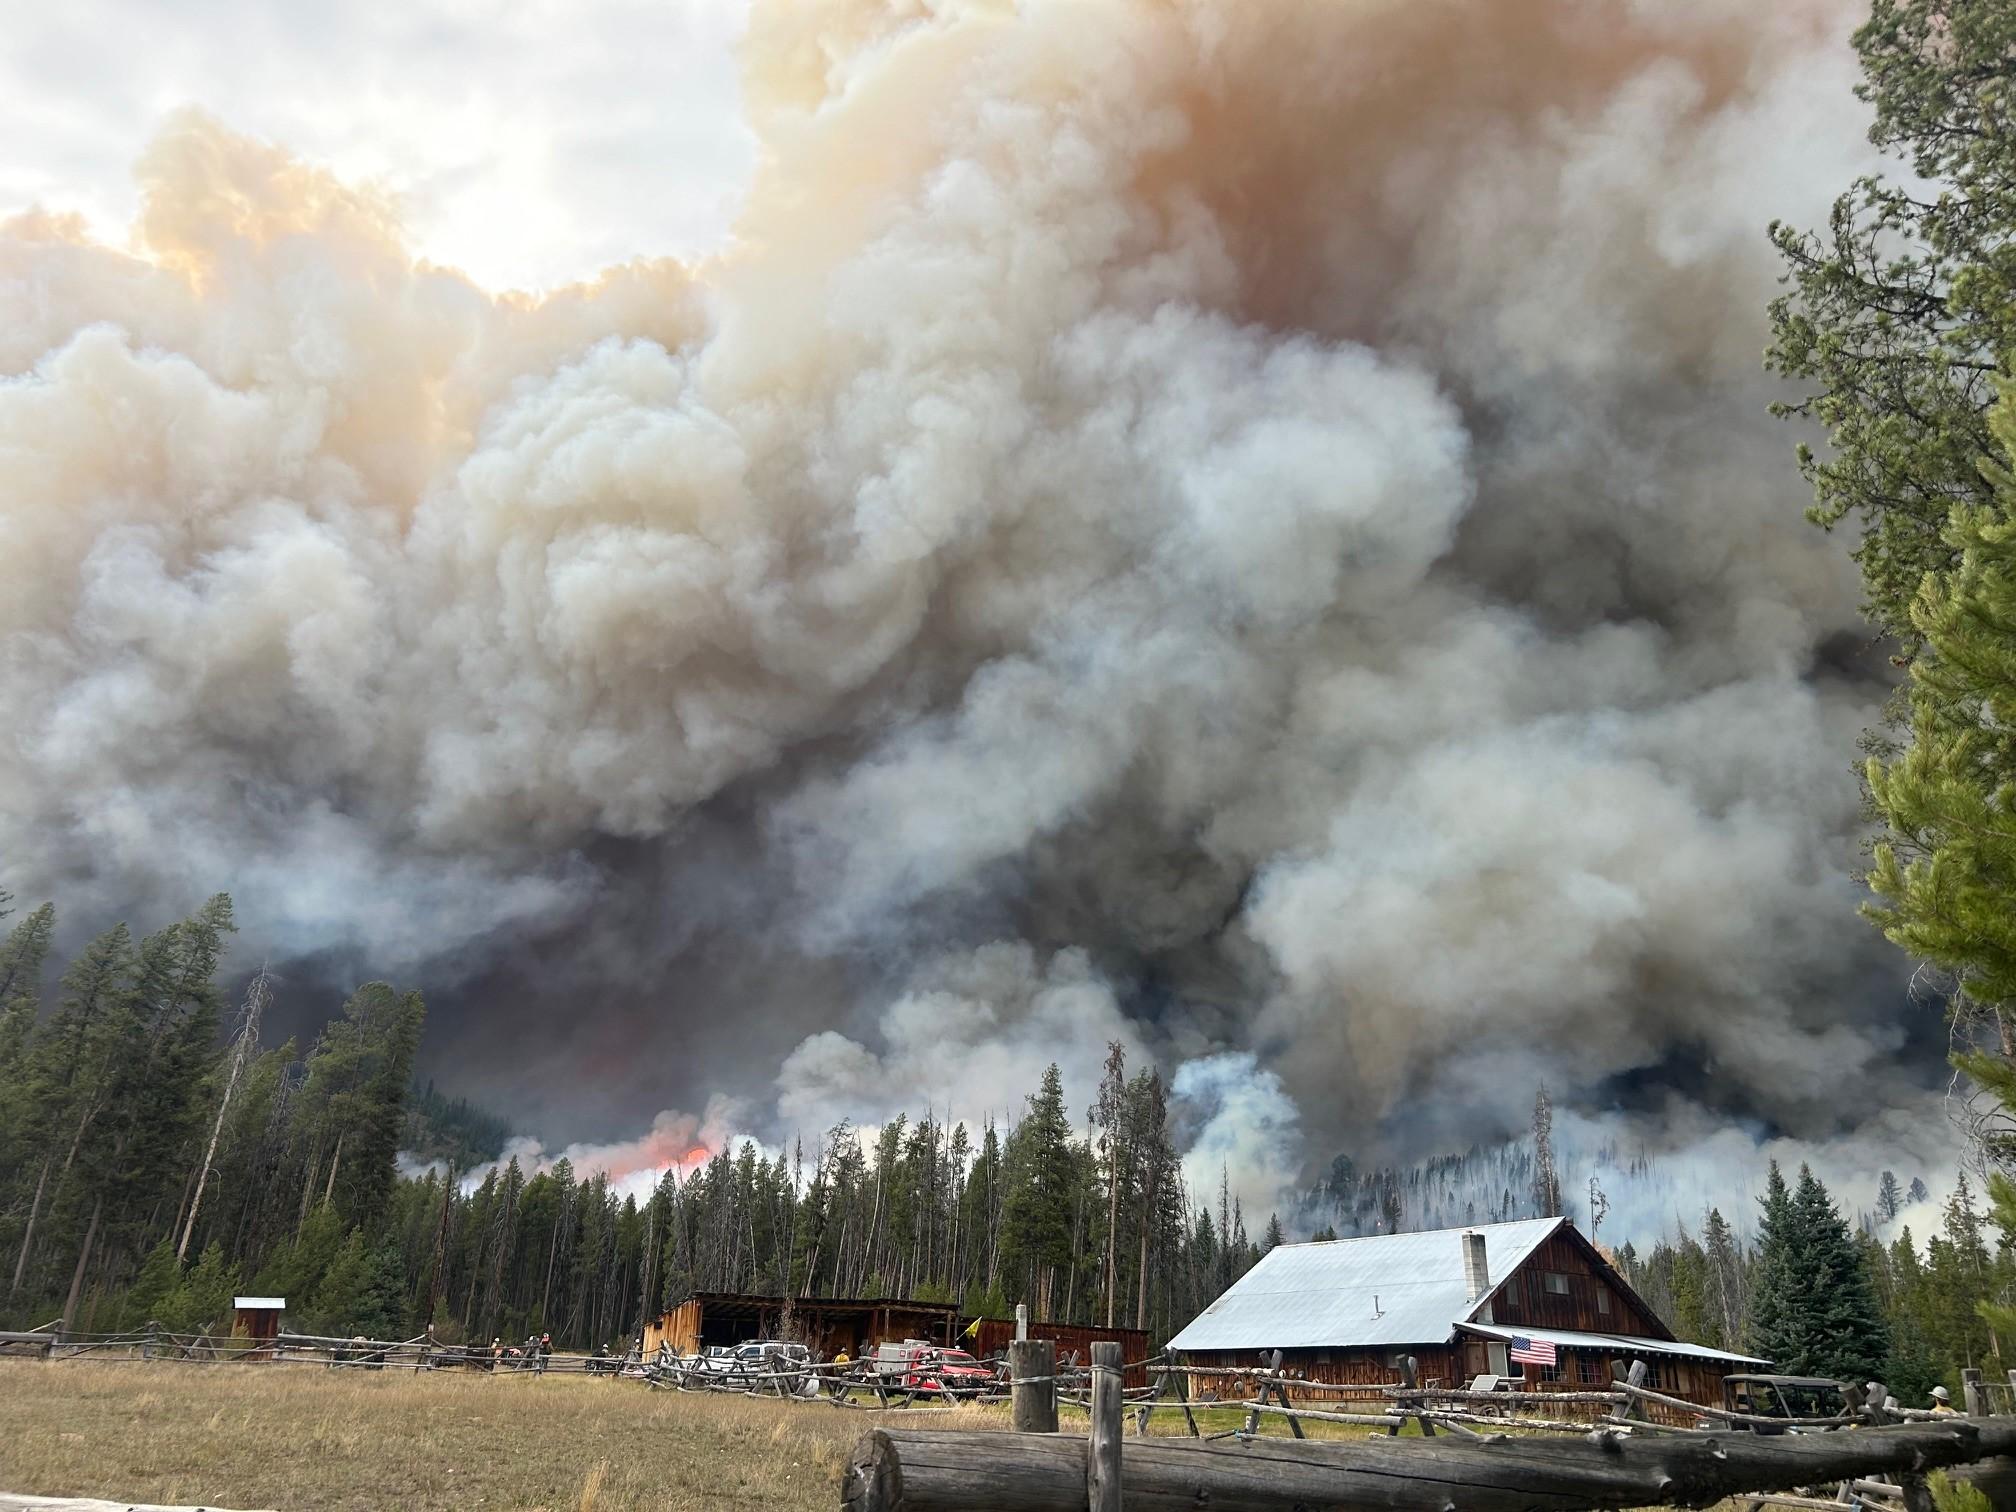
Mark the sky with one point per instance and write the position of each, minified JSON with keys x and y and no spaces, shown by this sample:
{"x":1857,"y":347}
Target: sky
{"x":1250,"y":534}
{"x":529,"y":144}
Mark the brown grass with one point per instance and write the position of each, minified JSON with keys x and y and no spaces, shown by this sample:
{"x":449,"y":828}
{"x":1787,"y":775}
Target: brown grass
{"x":302,"y":1437}
{"x":295,"y":1436}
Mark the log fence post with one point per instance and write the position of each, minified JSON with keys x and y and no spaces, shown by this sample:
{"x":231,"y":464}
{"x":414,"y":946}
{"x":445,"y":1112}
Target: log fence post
{"x":1631,"y":1407}
{"x":1032,"y":1385}
{"x":1270,"y":1384}
{"x":1102,"y":1458}
{"x":1175,"y":1382}
{"x":1971,"y":1393}
{"x":1410,"y":1379}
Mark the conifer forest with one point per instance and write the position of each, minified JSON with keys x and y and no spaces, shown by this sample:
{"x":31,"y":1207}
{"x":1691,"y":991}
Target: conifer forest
{"x":160,"y":1157}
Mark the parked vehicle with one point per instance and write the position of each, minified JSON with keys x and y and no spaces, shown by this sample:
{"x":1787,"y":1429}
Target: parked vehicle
{"x":943,"y":1372}
{"x":1767,"y":1401}
{"x":895,"y":1360}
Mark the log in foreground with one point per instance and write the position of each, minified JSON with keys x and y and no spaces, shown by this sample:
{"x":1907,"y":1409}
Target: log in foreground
{"x":910,"y":1470}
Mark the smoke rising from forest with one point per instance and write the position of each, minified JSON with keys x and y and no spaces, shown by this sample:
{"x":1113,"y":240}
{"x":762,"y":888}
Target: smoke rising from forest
{"x":1249,"y":531}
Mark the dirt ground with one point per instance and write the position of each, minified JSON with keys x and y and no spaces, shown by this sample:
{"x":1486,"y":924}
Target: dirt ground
{"x":296,"y":1436}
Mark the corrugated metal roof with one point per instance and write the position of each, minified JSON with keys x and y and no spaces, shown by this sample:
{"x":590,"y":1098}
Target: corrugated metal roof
{"x":1615,"y":1344}
{"x":1316,"y":1296}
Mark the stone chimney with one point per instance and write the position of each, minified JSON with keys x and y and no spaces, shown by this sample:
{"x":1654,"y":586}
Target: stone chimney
{"x":1476,"y":1269}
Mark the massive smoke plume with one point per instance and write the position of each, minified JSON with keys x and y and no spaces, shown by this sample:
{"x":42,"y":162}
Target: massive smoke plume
{"x":1247,"y":530}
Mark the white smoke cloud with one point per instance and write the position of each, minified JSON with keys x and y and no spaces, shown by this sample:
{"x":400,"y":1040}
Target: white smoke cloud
{"x":1221,"y":528}
{"x":970,"y":1038}
{"x":1240,"y":1128}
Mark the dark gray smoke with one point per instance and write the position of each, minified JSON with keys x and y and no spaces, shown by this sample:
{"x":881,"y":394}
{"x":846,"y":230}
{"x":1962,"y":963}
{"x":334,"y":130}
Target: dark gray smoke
{"x":1249,"y":531}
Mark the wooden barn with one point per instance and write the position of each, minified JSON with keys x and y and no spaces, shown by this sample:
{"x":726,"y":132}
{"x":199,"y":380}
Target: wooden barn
{"x":1350,"y":1310}
{"x":991,"y":1336}
{"x":827,"y":1324}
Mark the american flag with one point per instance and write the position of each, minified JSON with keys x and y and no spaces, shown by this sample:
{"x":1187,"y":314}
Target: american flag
{"x":1527,"y":1352}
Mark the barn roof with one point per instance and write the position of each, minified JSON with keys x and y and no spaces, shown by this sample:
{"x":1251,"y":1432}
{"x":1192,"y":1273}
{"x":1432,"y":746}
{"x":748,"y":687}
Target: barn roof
{"x":1382,"y":1289}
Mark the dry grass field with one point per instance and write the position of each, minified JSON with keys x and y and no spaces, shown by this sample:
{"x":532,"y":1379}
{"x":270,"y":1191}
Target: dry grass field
{"x":291,"y":1437}
{"x":288,"y":1436}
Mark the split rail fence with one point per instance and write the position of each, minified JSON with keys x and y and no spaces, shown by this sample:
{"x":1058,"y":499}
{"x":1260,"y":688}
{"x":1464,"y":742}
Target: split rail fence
{"x":1623,"y":1458}
{"x":1626,"y":1446}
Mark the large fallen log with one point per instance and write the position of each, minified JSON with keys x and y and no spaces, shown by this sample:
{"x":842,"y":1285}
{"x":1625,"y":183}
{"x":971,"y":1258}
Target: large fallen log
{"x":906,"y":1470}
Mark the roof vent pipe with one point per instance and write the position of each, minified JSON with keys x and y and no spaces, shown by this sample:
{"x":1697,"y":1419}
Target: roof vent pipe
{"x":1476,"y":1269}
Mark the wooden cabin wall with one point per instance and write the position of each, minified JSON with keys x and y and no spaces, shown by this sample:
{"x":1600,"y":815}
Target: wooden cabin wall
{"x":1338,"y":1367}
{"x":1523,"y":1299}
{"x":679,"y":1328}
{"x":1697,"y":1381}
{"x":994,"y":1335}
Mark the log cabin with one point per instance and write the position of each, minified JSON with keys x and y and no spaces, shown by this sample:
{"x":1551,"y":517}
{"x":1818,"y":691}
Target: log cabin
{"x":1461,"y":1301}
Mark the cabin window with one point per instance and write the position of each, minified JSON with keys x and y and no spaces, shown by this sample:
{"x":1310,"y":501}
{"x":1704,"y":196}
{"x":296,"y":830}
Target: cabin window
{"x":1658,"y":1376}
{"x":1544,"y":1372}
{"x":1590,"y":1372}
{"x":1555,"y":1282}
{"x":1603,"y":1301}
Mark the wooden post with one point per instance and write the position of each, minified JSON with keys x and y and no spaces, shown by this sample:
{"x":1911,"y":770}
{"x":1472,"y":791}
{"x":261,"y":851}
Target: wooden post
{"x":1971,"y":1393}
{"x":1410,"y":1378}
{"x":1102,"y":1460}
{"x":1632,"y":1406}
{"x":1032,"y":1385}
{"x":1269,"y":1386}
{"x":1175,"y":1382}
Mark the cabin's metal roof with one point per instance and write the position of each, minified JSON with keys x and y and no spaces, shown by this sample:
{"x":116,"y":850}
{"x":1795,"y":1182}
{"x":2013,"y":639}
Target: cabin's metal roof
{"x":1611,"y":1344}
{"x":1381,"y":1289}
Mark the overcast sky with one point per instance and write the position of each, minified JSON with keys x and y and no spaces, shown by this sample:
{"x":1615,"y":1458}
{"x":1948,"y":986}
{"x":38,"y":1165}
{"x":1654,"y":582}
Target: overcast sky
{"x":531,"y":141}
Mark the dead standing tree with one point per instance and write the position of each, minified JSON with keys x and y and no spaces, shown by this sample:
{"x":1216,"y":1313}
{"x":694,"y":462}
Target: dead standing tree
{"x":257,"y":998}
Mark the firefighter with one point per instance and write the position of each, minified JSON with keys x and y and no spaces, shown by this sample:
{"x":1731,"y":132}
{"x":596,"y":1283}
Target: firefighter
{"x":545,"y":1351}
{"x":1942,"y":1402}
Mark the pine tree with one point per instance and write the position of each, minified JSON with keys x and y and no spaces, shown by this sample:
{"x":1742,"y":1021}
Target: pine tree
{"x":1850,"y":1338}
{"x":1693,"y":1317}
{"x":1273,"y":1238}
{"x":152,"y":1288}
{"x":1777,"y":1328}
{"x":1814,"y":1308}
{"x":1726,"y":1277}
{"x":22,"y":957}
{"x":1546,"y":1179}
{"x":1889,"y":1197}
{"x":1039,"y":1171}
{"x":201,"y":1300}
{"x":1902,"y":311}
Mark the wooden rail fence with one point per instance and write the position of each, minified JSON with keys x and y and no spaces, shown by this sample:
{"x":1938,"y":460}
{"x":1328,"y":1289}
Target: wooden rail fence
{"x":1621,"y":1460}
